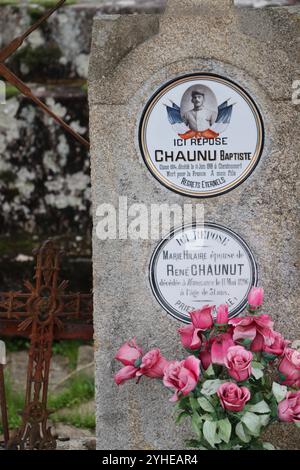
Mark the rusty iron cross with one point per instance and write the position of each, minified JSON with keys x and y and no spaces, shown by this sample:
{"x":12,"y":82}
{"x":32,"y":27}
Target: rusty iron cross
{"x":42,"y":314}
{"x":10,"y":77}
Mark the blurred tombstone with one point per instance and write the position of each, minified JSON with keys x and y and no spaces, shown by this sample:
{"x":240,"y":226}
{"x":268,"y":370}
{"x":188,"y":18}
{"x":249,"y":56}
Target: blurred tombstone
{"x":2,"y":92}
{"x":3,"y":406}
{"x":2,"y":353}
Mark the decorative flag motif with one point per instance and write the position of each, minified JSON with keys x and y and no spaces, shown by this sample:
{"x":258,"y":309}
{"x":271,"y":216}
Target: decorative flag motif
{"x":179,"y":126}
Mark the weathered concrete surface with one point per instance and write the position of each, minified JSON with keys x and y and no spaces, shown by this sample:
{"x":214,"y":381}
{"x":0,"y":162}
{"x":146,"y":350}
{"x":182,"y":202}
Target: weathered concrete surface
{"x":256,"y":50}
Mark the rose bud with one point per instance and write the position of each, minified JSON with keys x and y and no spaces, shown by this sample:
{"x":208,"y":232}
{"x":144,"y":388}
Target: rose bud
{"x":202,"y":319}
{"x":222,"y":315}
{"x":255,"y":297}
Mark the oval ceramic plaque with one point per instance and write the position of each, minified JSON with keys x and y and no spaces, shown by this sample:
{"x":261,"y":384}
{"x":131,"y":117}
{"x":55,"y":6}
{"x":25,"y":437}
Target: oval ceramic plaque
{"x":202,"y":264}
{"x":201,"y":135}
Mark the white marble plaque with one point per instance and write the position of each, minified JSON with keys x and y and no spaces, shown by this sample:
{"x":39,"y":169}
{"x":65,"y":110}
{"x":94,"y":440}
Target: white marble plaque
{"x":201,"y":264}
{"x":201,"y":135}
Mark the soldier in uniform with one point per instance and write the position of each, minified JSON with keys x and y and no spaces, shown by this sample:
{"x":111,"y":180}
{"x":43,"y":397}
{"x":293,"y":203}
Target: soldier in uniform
{"x":200,"y":118}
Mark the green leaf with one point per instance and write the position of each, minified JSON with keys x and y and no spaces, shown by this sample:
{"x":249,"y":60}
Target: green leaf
{"x":269,"y":357}
{"x":205,"y":404}
{"x":261,"y":407}
{"x":210,"y":432}
{"x":258,"y":396}
{"x":252,"y":422}
{"x":257,"y":365}
{"x":297,"y":424}
{"x":206,"y":417}
{"x":274,"y":407}
{"x":210,"y":387}
{"x":257,"y":373}
{"x":264,"y":419}
{"x":197,"y":424}
{"x":224,"y":426}
{"x":194,"y":403}
{"x":183,"y":403}
{"x":210,"y":371}
{"x":246,"y":342}
{"x":279,"y":391}
{"x":193,"y":443}
{"x":183,"y":414}
{"x":282,"y":377}
{"x":138,"y":362}
{"x":224,"y":446}
{"x":242,"y":433}
{"x":268,"y":446}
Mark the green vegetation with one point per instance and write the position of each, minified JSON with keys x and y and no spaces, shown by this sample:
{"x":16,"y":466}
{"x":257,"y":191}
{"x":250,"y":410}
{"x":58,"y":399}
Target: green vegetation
{"x":15,"y":403}
{"x":68,"y":349}
{"x":86,"y":421}
{"x":38,"y":57}
{"x":16,"y":344}
{"x":8,"y":176}
{"x":84,"y":87}
{"x":79,"y":389}
{"x":11,"y":91}
{"x":65,"y":348}
{"x":19,"y":243}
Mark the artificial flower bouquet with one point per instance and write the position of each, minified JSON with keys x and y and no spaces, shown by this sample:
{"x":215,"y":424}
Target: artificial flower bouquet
{"x":240,"y":376}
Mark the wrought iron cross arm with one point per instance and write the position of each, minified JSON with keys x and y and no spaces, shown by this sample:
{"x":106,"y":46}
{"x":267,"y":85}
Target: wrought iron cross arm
{"x":25,"y":90}
{"x":17,"y":42}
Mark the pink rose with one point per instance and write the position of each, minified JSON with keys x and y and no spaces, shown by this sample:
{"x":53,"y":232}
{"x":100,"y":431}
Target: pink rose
{"x":219,"y":347}
{"x":289,"y":408}
{"x":205,"y":356}
{"x":130,"y":355}
{"x":182,"y":376}
{"x":190,"y":337}
{"x":258,"y":329}
{"x":233,"y":397}
{"x":153,"y":364}
{"x":222,"y":315}
{"x":126,"y":373}
{"x":238,"y":363}
{"x":278,"y":345}
{"x":256,"y":297}
{"x":290,"y":367}
{"x":202,"y":319}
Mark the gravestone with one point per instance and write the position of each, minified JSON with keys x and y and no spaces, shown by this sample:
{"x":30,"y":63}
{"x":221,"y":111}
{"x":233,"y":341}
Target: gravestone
{"x":243,"y":62}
